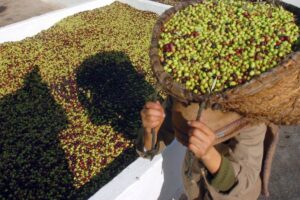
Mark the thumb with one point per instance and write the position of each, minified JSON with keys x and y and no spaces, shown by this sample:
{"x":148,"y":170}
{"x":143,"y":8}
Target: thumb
{"x":201,"y":119}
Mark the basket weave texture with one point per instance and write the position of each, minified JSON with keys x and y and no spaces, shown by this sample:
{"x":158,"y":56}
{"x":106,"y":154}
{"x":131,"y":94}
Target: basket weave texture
{"x":274,"y":96}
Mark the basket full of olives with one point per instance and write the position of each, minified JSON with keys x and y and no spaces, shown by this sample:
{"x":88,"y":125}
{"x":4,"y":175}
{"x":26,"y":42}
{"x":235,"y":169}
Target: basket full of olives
{"x":239,"y":55}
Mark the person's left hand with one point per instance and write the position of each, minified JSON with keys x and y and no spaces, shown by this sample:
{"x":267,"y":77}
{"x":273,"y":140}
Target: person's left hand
{"x":201,"y":139}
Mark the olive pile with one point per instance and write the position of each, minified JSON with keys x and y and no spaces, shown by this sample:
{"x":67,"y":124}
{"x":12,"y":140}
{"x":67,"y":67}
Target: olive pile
{"x":70,"y":100}
{"x":225,"y":43}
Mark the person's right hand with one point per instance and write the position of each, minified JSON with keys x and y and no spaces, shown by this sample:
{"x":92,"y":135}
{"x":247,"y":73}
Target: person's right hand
{"x":152,"y":116}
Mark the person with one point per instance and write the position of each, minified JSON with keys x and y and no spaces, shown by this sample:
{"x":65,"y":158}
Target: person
{"x":227,"y":148}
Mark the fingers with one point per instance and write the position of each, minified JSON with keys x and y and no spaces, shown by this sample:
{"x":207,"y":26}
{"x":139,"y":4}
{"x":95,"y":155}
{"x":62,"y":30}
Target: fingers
{"x":152,"y":112}
{"x":152,"y":115}
{"x":195,"y":141}
{"x":151,"y":121}
{"x":198,"y":139}
{"x":151,"y":124}
{"x":198,"y":151}
{"x":201,"y":138}
{"x":200,"y":135}
{"x":154,"y":105}
{"x":202,"y":127}
{"x":199,"y":147}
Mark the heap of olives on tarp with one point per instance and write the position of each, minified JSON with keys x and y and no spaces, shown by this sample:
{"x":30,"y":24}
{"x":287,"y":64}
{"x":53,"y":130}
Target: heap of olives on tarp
{"x":225,"y":43}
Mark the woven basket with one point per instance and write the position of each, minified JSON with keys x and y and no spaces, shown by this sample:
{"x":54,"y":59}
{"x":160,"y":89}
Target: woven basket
{"x":274,"y":96}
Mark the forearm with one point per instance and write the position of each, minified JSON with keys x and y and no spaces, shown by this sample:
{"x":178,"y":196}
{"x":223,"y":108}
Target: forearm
{"x":221,"y":172}
{"x":212,"y":160}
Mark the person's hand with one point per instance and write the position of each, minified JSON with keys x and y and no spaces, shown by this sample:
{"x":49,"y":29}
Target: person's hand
{"x":201,"y":139}
{"x":152,"y":116}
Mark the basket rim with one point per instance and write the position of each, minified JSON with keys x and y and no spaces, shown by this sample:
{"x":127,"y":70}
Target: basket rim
{"x":184,"y":95}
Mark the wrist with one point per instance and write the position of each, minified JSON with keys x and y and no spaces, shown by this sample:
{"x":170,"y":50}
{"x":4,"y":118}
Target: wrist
{"x":148,"y":138}
{"x":147,"y":132}
{"x":209,"y":155}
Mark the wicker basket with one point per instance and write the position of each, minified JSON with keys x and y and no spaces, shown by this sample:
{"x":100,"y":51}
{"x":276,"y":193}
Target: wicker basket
{"x":274,"y":96}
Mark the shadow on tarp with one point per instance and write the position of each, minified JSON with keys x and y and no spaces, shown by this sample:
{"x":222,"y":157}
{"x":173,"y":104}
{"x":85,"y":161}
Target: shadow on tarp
{"x":32,"y":162}
{"x":112,"y":91}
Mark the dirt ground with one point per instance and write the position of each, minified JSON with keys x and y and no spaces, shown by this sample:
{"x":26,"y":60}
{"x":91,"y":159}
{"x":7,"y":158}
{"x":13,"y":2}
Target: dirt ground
{"x":12,"y":11}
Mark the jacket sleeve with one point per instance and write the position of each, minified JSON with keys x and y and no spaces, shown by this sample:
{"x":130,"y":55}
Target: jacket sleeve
{"x":245,"y":156}
{"x":165,"y":135}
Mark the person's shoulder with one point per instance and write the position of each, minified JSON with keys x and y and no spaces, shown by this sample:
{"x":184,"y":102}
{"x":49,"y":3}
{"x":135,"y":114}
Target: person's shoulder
{"x":253,"y":132}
